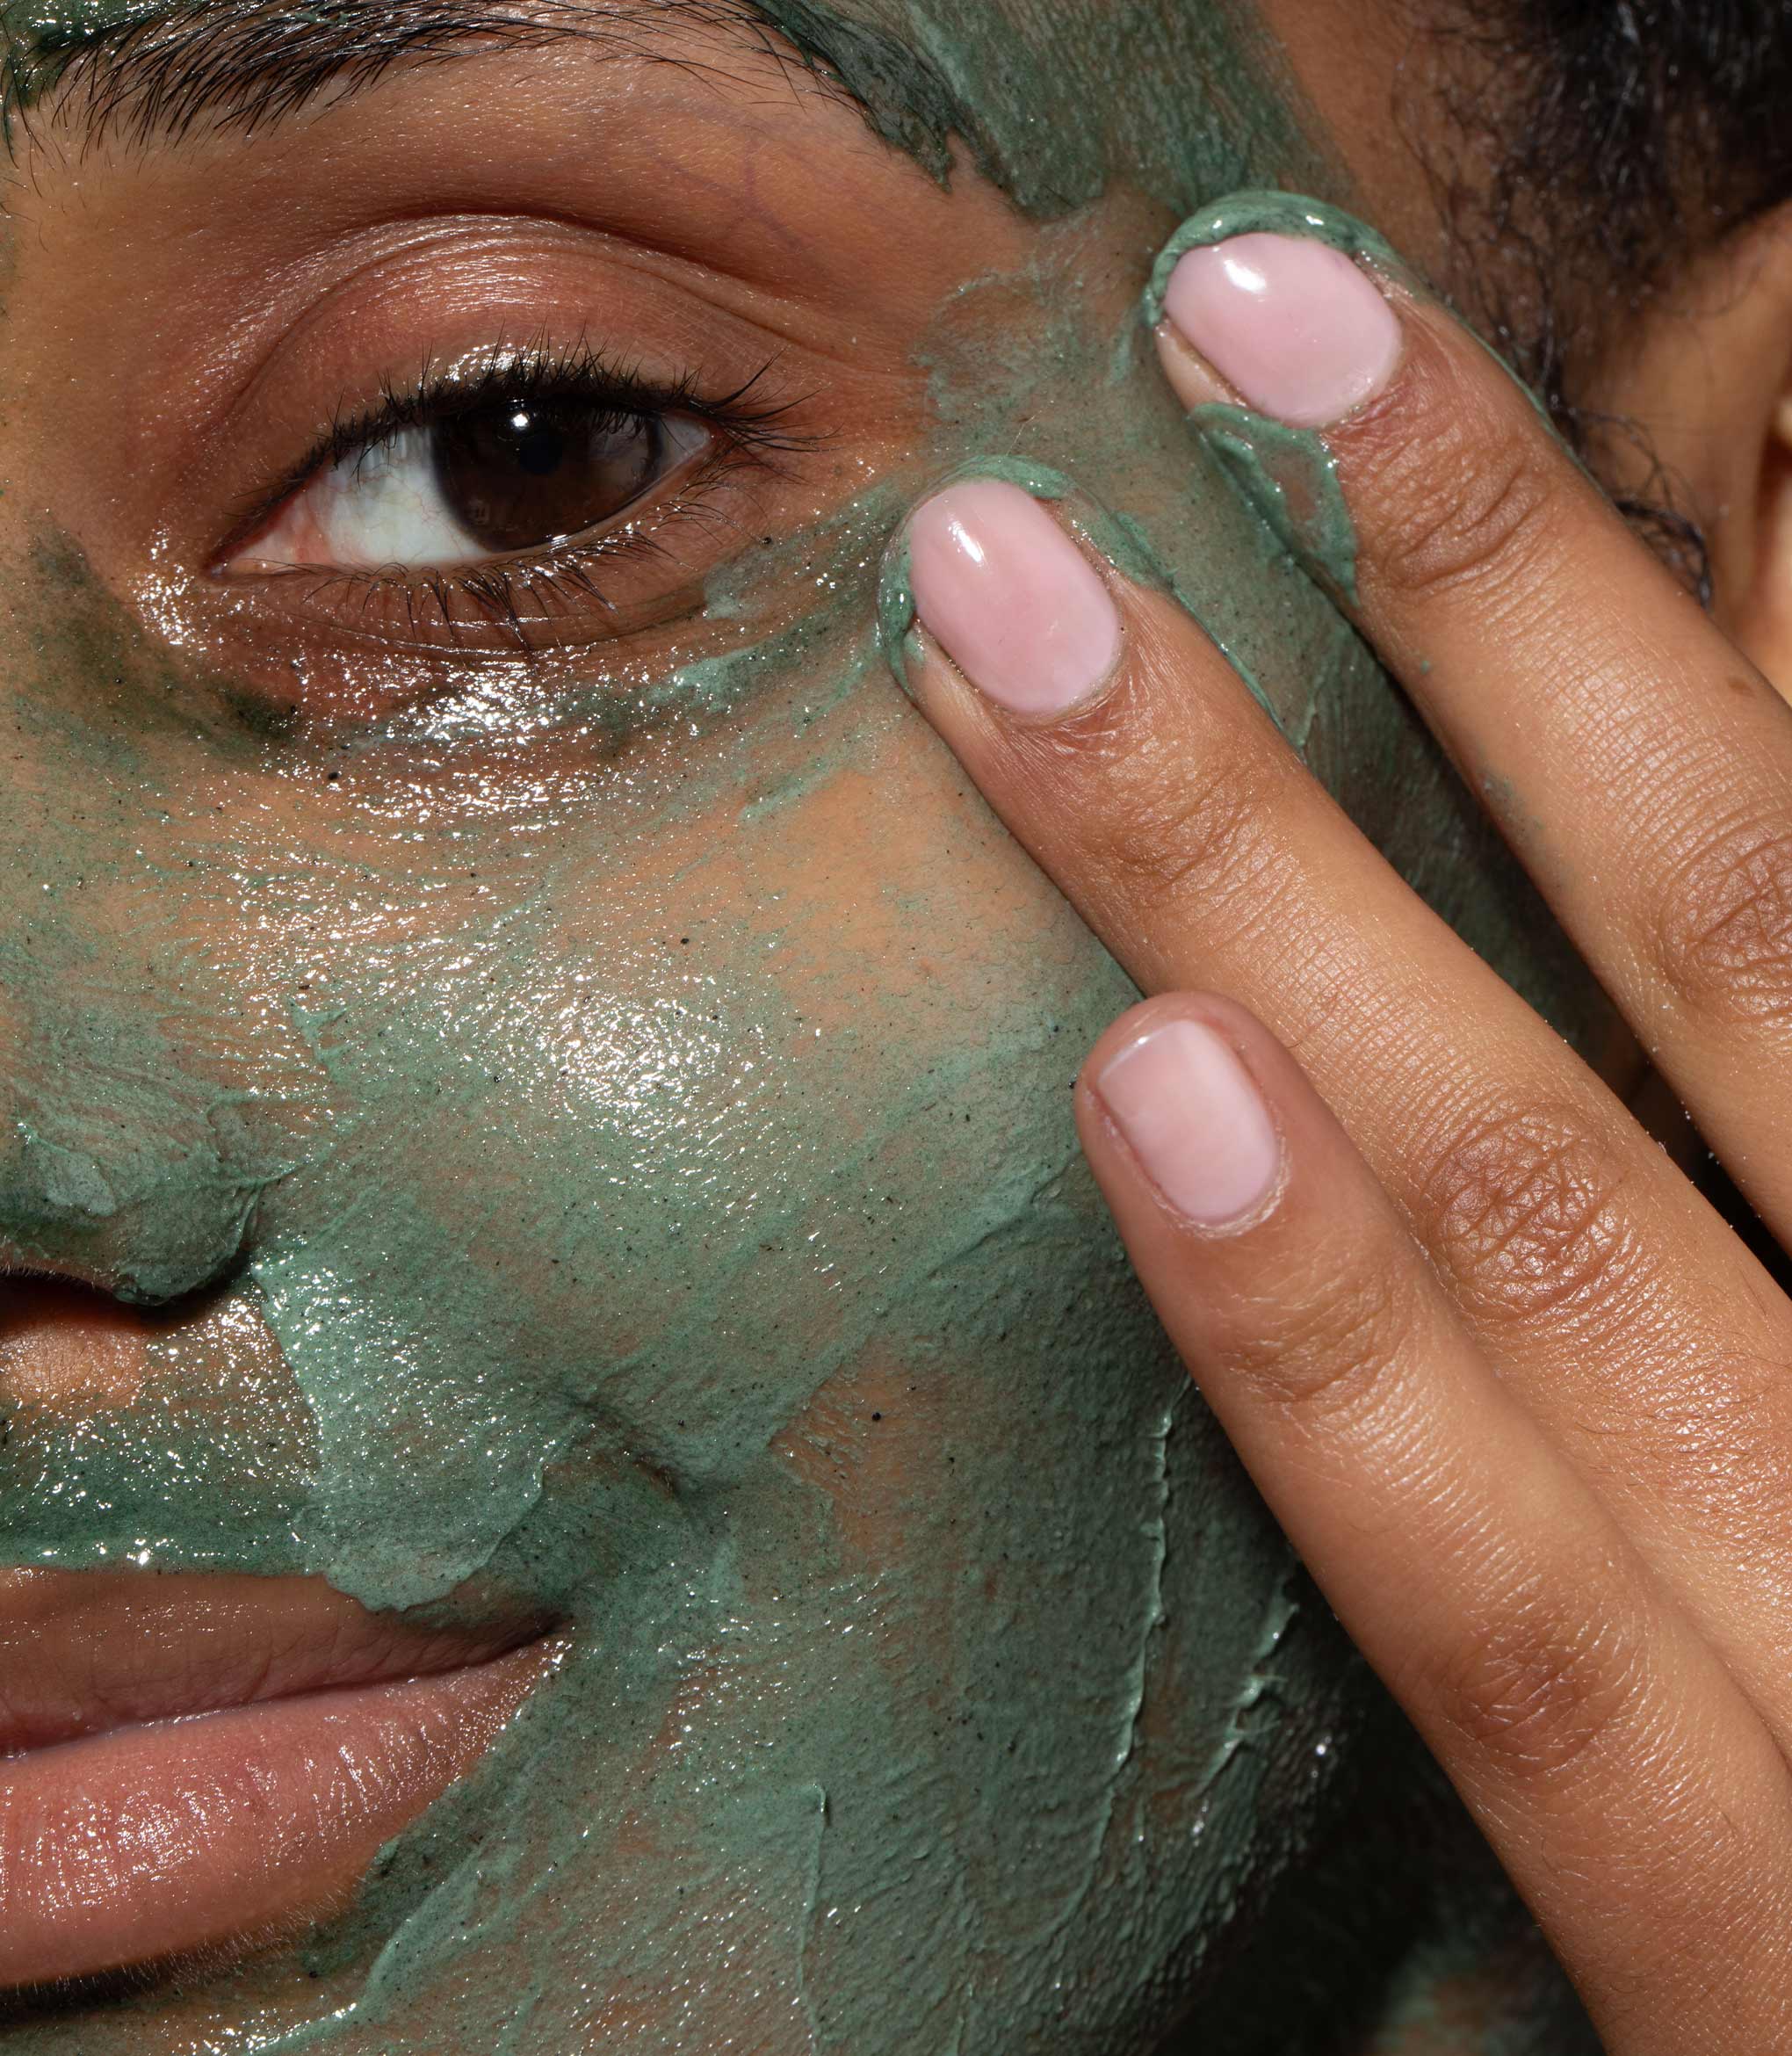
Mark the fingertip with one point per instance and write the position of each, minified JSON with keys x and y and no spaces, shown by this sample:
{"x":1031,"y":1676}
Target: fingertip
{"x":1169,"y":1097}
{"x":1000,"y":583}
{"x":1191,"y":379}
{"x":1213,"y":1009}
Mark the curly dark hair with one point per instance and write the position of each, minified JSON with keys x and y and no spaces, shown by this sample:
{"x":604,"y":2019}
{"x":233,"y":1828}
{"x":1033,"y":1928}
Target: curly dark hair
{"x":1600,"y":143}
{"x":1666,"y":118}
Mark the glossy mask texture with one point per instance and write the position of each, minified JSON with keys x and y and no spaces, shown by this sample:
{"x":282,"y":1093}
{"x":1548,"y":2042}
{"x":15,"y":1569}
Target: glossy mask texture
{"x":909,"y":1580}
{"x":642,"y":1120}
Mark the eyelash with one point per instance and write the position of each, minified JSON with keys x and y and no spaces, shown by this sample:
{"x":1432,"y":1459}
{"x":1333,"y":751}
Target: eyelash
{"x":749,"y":423}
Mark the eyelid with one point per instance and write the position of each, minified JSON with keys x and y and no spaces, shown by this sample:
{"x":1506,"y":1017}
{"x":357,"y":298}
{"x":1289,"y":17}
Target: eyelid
{"x":690,"y":441}
{"x":365,"y":335}
{"x":751,"y":414}
{"x":548,"y":603}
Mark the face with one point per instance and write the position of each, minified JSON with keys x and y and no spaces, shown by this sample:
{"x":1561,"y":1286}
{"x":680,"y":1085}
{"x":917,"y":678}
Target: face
{"x":543,"y":1095}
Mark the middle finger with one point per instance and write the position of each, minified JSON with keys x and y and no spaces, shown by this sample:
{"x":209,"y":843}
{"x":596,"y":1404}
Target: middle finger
{"x":1119,"y":746}
{"x":1638,"y":762}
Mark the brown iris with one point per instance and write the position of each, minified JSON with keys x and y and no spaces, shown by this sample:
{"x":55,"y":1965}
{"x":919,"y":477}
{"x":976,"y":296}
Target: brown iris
{"x":518,"y":476}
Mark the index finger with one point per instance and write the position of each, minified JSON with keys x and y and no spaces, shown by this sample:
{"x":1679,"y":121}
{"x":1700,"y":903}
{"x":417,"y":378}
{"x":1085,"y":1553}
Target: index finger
{"x":1640,"y":766}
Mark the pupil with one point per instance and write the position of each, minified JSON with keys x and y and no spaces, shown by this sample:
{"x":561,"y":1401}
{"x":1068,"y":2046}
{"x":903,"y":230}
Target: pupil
{"x":517,"y":477}
{"x":541,"y":449}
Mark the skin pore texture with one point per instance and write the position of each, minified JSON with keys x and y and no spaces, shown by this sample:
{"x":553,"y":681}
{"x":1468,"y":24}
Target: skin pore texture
{"x":604,"y":1146}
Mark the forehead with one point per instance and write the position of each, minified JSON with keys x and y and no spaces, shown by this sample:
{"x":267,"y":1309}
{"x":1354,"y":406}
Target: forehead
{"x":1183,"y":97}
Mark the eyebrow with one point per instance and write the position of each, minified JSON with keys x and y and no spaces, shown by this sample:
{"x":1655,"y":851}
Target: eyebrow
{"x":149,"y":72}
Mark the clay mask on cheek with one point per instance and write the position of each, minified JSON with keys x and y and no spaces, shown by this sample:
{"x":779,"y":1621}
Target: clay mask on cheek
{"x":647,"y":1140}
{"x":907,"y":1583}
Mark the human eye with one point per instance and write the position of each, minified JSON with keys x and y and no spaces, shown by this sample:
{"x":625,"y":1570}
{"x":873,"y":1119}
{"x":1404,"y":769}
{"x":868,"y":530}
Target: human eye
{"x":505,"y":493}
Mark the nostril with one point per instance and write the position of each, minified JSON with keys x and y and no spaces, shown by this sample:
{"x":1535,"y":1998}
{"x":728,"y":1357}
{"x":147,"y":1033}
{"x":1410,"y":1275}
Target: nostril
{"x":149,"y":1227}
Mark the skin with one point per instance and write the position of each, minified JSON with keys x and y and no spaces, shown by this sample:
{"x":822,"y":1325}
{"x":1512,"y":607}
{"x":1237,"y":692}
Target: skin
{"x":1470,"y":1315}
{"x":746,"y":1352}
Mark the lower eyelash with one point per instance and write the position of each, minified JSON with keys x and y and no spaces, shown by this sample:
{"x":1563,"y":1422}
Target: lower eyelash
{"x":495,"y":594}
{"x":749,"y":425}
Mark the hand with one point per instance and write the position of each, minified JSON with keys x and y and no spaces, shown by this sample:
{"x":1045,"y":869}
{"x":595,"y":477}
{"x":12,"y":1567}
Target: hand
{"x":1520,"y":1398}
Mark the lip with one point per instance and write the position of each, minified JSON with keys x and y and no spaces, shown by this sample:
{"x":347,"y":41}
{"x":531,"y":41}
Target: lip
{"x":192,"y":1762}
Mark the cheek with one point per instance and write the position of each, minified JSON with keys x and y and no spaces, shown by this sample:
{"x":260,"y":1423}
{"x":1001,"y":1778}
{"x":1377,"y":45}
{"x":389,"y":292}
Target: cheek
{"x":743,"y":1296}
{"x":745,"y":1068}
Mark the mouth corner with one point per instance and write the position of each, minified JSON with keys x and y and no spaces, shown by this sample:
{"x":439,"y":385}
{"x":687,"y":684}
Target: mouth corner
{"x":197,"y":1765}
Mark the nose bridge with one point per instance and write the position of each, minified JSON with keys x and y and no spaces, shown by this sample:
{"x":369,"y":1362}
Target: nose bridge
{"x":122,"y":1162}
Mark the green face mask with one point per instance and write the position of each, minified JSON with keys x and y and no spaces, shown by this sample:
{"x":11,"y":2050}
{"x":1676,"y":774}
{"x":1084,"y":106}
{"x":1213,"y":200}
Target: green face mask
{"x":642,"y":1120}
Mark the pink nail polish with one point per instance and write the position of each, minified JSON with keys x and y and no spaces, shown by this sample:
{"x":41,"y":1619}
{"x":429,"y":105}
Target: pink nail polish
{"x":1192,"y":1116}
{"x":1011,"y":599}
{"x":1294,"y":325}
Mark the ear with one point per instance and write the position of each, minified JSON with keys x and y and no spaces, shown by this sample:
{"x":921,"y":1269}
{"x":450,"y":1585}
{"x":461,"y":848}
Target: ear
{"x":1707,"y":378}
{"x":1763,"y":626}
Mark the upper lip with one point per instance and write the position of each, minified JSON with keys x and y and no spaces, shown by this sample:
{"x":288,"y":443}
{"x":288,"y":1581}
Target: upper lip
{"x":88,"y":1652}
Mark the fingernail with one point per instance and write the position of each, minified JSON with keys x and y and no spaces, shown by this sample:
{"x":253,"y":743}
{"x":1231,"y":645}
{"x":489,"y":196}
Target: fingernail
{"x":1292,"y":324}
{"x":1193,"y":1118}
{"x":1010,"y":597}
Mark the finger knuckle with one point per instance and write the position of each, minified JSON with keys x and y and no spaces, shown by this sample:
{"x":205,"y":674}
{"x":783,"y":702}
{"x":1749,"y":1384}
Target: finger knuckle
{"x":1336,"y":1350}
{"x":1205,"y":834}
{"x":1524,"y":1213}
{"x":1466,"y":504}
{"x":1721,"y":933}
{"x":1534,"y":1688}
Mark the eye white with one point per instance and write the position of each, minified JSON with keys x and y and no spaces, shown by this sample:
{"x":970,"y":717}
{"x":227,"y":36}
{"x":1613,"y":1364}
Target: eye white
{"x":378,"y":507}
{"x":382,"y":508}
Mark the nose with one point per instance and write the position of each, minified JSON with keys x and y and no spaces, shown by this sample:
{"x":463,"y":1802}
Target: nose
{"x":149,"y":1209}
{"x":122,"y":1165}
{"x":138,"y":1124}
{"x":143,"y":1229}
